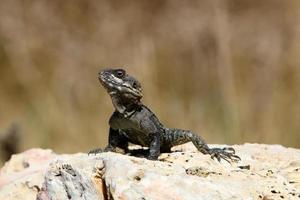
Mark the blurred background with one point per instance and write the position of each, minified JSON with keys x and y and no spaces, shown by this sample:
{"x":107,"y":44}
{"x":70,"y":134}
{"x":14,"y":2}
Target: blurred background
{"x":226,"y":69}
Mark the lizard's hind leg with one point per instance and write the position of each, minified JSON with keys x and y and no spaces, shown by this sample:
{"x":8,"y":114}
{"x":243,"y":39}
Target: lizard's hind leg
{"x":182,"y":136}
{"x":227,"y":153}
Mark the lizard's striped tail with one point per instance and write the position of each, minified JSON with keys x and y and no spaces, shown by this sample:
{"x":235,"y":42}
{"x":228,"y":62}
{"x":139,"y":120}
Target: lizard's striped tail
{"x":178,"y":136}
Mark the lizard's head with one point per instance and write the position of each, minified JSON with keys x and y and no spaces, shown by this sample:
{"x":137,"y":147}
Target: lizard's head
{"x":118,"y":82}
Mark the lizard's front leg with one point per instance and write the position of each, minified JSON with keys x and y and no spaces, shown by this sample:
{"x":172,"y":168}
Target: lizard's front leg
{"x":154,"y":148}
{"x":116,"y":139}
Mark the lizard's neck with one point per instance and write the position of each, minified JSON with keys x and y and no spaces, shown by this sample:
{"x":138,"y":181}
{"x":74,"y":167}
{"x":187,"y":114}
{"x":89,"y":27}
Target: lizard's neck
{"x":125,"y":106}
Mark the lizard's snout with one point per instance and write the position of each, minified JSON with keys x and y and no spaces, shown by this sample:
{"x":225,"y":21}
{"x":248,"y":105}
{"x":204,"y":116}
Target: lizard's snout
{"x":101,"y":77}
{"x":100,"y":73}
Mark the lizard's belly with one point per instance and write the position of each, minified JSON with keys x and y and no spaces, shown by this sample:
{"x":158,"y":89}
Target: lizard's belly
{"x":137,"y":137}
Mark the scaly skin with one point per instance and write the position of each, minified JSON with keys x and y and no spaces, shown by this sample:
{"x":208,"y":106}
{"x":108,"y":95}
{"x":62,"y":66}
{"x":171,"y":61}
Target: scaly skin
{"x":135,"y":123}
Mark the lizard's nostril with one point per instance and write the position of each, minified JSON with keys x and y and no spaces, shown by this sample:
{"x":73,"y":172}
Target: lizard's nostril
{"x":101,"y":73}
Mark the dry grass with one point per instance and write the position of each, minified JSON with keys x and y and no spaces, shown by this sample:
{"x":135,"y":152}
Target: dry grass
{"x":229,"y":70}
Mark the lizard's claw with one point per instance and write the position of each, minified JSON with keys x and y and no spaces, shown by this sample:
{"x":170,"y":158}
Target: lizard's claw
{"x":109,"y":149}
{"x":227,"y":153}
{"x":95,"y":151}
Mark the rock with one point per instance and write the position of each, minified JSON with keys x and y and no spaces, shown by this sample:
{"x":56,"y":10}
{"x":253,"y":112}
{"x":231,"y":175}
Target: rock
{"x":72,"y":177}
{"x":265,"y":172}
{"x":22,"y":176}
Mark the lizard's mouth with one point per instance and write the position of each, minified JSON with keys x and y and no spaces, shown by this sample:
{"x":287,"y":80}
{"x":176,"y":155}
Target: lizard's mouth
{"x":114,"y":84}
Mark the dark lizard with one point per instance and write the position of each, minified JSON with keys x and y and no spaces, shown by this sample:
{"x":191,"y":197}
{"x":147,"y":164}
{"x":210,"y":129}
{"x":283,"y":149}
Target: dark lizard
{"x":135,"y":123}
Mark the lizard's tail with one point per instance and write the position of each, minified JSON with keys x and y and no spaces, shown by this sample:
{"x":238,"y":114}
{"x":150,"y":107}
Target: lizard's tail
{"x":178,"y":136}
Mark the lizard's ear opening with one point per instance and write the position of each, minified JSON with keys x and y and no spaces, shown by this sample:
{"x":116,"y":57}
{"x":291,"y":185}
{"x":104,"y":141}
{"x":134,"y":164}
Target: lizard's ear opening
{"x":136,"y":85}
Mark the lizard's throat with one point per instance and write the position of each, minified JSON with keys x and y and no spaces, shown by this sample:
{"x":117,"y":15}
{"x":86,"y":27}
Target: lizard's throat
{"x":124,"y":107}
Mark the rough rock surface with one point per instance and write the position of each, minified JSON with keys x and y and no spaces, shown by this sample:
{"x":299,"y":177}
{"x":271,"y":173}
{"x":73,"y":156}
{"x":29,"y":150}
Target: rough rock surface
{"x":265,"y":172}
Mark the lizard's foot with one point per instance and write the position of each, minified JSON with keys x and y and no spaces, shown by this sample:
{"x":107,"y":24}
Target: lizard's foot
{"x":227,"y":153}
{"x":95,"y":151}
{"x":110,"y":149}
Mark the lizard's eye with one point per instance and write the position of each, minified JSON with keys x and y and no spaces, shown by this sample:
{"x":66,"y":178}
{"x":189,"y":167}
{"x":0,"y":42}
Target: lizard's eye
{"x":120,"y":73}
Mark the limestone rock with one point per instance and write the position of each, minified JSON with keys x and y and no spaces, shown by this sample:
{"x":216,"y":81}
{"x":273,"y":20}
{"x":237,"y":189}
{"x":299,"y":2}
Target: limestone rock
{"x":265,"y":172}
{"x":21,"y":177}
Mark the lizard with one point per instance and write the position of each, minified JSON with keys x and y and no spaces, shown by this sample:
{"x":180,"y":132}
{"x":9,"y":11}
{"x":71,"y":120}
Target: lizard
{"x":134,"y":122}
